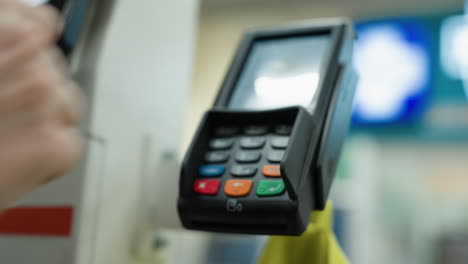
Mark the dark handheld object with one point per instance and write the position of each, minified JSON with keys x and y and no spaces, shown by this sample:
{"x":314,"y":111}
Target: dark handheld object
{"x":75,"y":13}
{"x":263,"y":171}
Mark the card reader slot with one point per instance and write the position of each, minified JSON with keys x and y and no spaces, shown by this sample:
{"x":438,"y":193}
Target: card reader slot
{"x":244,"y":227}
{"x":295,"y":159}
{"x":249,"y":223}
{"x":334,"y":132}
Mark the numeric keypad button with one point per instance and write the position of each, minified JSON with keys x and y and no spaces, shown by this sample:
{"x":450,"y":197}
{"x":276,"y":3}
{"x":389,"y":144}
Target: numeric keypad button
{"x":243,"y":170}
{"x":211,"y":170}
{"x":271,"y":171}
{"x":217,"y":156}
{"x":280,"y":142}
{"x":275,"y":156}
{"x":221,"y":143}
{"x":207,"y":187}
{"x":283,"y":129}
{"x":248,"y":156}
{"x":252,"y":142}
{"x":226,"y":131}
{"x":256,"y":130}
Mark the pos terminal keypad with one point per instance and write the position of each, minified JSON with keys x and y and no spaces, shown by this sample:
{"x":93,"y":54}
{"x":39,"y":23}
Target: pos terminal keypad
{"x":244,"y":162}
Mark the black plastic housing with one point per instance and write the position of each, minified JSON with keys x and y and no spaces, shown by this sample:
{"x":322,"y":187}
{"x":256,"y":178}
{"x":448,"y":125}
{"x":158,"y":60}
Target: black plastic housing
{"x":74,"y":13}
{"x":310,"y":160}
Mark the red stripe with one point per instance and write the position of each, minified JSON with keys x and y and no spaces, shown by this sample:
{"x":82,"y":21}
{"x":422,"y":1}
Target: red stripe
{"x":37,"y":221}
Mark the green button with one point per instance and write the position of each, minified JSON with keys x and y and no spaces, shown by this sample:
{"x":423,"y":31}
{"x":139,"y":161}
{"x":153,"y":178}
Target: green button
{"x":270,"y":188}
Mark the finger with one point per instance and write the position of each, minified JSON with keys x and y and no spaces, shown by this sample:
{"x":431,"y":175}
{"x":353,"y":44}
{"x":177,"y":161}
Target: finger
{"x":13,"y":14}
{"x":69,"y":99}
{"x":67,"y":105}
{"x":6,"y":4}
{"x":10,"y":17}
{"x":70,"y":108}
{"x":48,"y":16}
{"x":56,"y":59}
{"x":59,"y":60}
{"x":46,"y":94}
{"x":67,"y":152}
{"x":30,"y":158}
{"x":26,"y":35}
{"x":2,"y":2}
{"x":32,"y":94}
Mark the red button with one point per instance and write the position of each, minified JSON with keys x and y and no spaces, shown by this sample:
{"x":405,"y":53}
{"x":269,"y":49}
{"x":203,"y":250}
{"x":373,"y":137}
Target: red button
{"x":209,"y":187}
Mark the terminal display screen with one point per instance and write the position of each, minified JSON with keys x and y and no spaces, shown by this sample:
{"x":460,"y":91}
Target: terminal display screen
{"x":280,"y":72}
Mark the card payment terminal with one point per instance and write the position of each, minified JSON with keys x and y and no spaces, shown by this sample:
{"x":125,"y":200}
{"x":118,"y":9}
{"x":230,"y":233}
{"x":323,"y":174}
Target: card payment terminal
{"x":264,"y":157}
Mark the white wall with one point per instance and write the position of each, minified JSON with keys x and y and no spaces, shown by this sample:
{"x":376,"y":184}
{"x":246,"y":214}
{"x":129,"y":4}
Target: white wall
{"x":140,"y":100}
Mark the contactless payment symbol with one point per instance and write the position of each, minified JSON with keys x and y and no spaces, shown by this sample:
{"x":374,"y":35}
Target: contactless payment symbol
{"x":233,"y":206}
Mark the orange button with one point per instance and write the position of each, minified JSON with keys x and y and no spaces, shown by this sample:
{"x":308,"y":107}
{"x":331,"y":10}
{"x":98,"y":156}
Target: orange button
{"x":238,"y":187}
{"x":271,"y":171}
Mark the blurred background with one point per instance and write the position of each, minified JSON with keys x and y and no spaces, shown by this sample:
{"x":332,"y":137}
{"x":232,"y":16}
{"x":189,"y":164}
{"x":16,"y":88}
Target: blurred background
{"x":401,"y":194}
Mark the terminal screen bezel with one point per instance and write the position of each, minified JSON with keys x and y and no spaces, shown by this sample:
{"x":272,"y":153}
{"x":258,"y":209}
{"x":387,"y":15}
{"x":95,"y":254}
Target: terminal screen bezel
{"x":328,"y":64}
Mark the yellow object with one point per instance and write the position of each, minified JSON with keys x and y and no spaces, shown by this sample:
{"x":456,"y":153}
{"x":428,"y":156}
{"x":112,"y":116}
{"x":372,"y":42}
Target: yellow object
{"x":317,"y":245}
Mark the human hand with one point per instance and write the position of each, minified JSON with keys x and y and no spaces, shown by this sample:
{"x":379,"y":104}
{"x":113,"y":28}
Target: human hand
{"x":39,"y":103}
